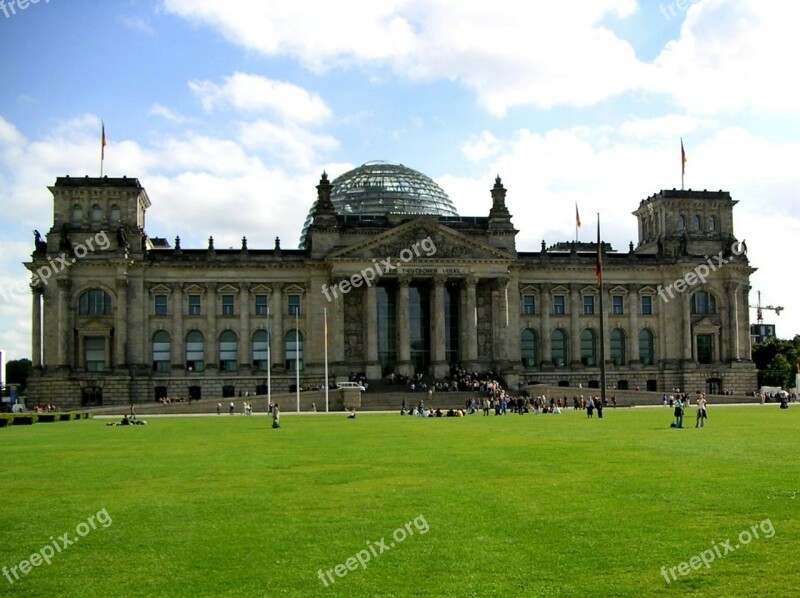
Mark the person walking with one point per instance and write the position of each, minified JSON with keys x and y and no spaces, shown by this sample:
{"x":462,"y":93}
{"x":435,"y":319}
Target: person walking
{"x":589,"y":407}
{"x":219,"y":408}
{"x":276,"y":416}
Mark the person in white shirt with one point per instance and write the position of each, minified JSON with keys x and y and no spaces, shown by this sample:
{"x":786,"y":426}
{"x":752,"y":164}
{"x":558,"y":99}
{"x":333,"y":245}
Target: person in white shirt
{"x":701,"y":411}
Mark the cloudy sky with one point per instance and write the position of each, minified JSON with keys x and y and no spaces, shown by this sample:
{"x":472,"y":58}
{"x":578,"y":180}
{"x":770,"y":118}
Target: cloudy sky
{"x":228,"y":112}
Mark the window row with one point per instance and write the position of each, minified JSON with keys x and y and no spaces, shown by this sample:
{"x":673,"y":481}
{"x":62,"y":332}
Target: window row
{"x":559,"y":347}
{"x":559,"y":307}
{"x":229,"y":307}
{"x":696,"y":223}
{"x":227,"y":350}
{"x":77,"y":215}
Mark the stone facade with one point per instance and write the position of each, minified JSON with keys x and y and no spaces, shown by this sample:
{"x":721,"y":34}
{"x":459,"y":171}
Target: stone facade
{"x":118,"y":316}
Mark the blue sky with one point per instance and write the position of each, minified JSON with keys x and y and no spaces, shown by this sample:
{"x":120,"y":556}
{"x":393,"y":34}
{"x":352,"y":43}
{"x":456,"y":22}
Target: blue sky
{"x":228,"y":112}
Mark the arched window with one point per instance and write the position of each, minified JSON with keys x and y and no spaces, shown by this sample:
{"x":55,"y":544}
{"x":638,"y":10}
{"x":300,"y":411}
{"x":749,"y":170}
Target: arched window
{"x":703,"y":303}
{"x":161,"y":352}
{"x":115,"y":214}
{"x":681,"y":225}
{"x":228,"y":359}
{"x":195,"y":356}
{"x":260,"y":350}
{"x":617,"y":343}
{"x":646,"y":347}
{"x":697,"y":222}
{"x":588,"y":347}
{"x":77,"y":214}
{"x":528,"y":341}
{"x":712,"y":223}
{"x":558,"y":347}
{"x":95,"y":302}
{"x":96,"y":214}
{"x":294,"y":350}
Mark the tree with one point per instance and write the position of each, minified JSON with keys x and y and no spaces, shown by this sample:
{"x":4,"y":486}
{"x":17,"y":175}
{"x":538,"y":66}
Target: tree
{"x":779,"y":372}
{"x":17,"y":372}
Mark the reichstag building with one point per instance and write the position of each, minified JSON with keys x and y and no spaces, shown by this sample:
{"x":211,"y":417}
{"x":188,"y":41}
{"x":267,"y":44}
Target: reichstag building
{"x":390,"y":279}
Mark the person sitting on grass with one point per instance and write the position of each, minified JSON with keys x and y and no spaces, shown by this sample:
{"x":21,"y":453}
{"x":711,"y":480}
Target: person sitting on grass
{"x":352,"y":414}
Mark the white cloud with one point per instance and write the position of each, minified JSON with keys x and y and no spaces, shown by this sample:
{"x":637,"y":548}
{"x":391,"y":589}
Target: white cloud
{"x":137,"y":24}
{"x":668,"y":127}
{"x":484,"y":146}
{"x":288,"y":144}
{"x":733,"y":55}
{"x":169,"y":115}
{"x":254,"y":93}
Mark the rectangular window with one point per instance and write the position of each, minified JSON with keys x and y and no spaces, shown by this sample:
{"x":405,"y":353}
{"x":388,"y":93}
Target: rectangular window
{"x":261,"y":305}
{"x":559,"y":303}
{"x":294,"y":305}
{"x":617,"y":305}
{"x":95,"y":353}
{"x":528,"y":305}
{"x":705,"y":348}
{"x":647,"y":305}
{"x":588,"y":305}
{"x":160,"y":305}
{"x":194,"y":305}
{"x":227,"y":305}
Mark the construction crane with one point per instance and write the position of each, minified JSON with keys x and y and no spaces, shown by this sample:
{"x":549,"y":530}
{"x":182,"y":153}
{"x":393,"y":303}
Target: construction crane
{"x":759,"y":308}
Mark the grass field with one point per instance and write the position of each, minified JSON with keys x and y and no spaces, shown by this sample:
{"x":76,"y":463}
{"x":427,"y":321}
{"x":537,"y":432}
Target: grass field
{"x":499,"y":506}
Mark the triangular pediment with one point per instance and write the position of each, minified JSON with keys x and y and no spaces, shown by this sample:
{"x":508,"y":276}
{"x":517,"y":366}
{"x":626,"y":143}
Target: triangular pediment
{"x":226,"y":289}
{"x":528,"y":289}
{"x":194,"y":289}
{"x":559,"y":290}
{"x":618,"y":290}
{"x":260,"y":289}
{"x":589,"y":290}
{"x":706,"y":325}
{"x":160,"y":289}
{"x":648,"y":290}
{"x":293,"y":289}
{"x":421,"y":239}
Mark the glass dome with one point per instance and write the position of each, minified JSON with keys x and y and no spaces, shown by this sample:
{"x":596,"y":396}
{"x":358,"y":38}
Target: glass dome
{"x":379,"y":188}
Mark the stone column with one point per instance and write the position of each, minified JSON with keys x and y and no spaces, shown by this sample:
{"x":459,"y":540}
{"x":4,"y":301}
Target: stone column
{"x":373,"y":366}
{"x":575,"y":309}
{"x":177,"y":344}
{"x":470,"y":323}
{"x":687,"y":327}
{"x":438,"y":361}
{"x":64,"y":320}
{"x":120,"y":324}
{"x":546,"y":305}
{"x":633,"y":324}
{"x":734,"y":354}
{"x":36,"y":326}
{"x":211,"y":345}
{"x":244,"y":325}
{"x":500,"y":320}
{"x":276,"y":353}
{"x":336,"y":329}
{"x":606,"y":329}
{"x":403,"y":333}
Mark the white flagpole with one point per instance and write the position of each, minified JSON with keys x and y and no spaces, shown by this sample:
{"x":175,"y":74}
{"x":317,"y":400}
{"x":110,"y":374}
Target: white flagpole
{"x":297,"y":357}
{"x":325,"y":316}
{"x":269,"y":359}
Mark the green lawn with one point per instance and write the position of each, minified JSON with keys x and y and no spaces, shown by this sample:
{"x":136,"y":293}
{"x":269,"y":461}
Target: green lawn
{"x":499,"y":506}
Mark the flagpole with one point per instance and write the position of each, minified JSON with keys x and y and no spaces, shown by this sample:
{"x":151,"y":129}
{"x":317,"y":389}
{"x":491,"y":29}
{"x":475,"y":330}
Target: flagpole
{"x":602,"y":314}
{"x":102,"y":146}
{"x":325,"y":316}
{"x":683,"y":163}
{"x":297,"y":357}
{"x":269,"y":360}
